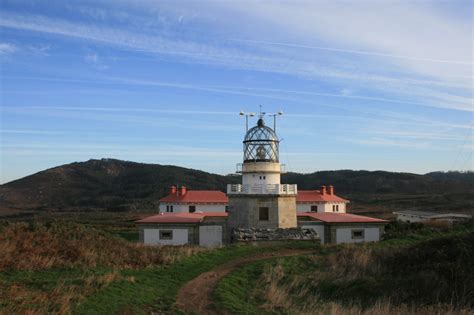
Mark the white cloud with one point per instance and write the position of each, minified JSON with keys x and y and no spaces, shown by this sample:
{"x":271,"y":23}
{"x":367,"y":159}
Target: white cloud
{"x":6,"y":48}
{"x":425,"y":64}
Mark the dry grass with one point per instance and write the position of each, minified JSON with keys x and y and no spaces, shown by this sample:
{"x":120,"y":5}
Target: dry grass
{"x":42,"y":246}
{"x":49,"y":268}
{"x":23,"y":299}
{"x":434,"y":277}
{"x":297,"y":297}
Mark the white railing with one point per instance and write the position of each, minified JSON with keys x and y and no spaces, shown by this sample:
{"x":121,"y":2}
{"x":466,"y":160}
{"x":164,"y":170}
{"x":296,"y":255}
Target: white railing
{"x":258,"y":189}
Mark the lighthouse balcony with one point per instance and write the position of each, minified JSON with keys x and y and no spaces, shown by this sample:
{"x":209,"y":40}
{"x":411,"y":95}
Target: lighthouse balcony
{"x":258,"y":189}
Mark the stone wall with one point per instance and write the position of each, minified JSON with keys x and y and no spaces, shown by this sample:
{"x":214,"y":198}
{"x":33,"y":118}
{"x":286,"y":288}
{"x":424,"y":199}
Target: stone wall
{"x":244,"y":211}
{"x":254,"y":234}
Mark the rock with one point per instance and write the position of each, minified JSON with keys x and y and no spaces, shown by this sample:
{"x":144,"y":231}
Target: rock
{"x":254,"y":234}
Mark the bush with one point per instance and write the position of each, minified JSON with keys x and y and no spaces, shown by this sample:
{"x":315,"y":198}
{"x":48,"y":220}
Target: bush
{"x":37,"y":246}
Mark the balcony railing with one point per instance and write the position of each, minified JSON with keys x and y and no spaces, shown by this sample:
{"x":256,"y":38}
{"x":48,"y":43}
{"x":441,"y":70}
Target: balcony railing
{"x":277,"y":189}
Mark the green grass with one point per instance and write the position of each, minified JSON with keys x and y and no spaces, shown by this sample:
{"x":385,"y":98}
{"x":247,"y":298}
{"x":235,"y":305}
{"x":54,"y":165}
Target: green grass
{"x":155,"y":289}
{"x":232,"y":293}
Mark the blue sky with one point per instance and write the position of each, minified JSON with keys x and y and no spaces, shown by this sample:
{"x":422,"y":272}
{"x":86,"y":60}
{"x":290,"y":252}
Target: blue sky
{"x":364,"y":85}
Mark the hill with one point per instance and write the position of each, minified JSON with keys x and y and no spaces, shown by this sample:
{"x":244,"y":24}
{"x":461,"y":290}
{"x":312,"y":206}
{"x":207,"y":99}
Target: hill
{"x":116,"y":185}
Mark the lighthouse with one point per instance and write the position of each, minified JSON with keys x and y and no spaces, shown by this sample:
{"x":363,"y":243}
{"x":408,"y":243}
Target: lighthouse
{"x":261,"y":201}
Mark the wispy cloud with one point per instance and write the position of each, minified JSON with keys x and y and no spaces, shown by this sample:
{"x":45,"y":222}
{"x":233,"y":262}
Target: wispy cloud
{"x":31,"y":132}
{"x":95,"y":60}
{"x":442,"y":100}
{"x":7,"y":48}
{"x":359,"y":52}
{"x":234,"y":57}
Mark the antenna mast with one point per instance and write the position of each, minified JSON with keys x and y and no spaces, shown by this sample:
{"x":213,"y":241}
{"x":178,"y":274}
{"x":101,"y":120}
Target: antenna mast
{"x":247,"y":115}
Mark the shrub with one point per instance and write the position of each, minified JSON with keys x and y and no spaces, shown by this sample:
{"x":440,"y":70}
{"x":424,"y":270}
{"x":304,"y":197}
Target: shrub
{"x":64,"y":244}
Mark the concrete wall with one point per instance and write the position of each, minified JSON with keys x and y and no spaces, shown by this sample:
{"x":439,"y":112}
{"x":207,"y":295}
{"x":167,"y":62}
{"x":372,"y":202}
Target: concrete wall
{"x":260,"y":178}
{"x":264,"y":173}
{"x":151,"y":236}
{"x":244,"y":211}
{"x":184,"y":208}
{"x":328,"y":207}
{"x":318,"y":227}
{"x":322,"y":206}
{"x":211,"y":232}
{"x":343,"y":234}
{"x":210,"y":235}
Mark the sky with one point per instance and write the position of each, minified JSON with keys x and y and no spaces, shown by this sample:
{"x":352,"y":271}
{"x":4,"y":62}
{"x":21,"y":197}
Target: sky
{"x":374,"y":85}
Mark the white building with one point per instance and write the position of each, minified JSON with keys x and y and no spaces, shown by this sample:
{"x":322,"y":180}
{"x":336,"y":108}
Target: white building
{"x":323,"y":200}
{"x":183,"y":200}
{"x":412,"y":216}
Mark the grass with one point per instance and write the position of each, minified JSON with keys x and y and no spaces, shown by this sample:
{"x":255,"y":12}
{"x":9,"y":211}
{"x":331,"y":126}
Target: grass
{"x":429,"y":274}
{"x":158,"y":287}
{"x":51,"y":267}
{"x":57,"y":267}
{"x":63,"y":267}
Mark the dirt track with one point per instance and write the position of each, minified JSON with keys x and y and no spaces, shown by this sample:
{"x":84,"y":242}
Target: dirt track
{"x":195,"y":297}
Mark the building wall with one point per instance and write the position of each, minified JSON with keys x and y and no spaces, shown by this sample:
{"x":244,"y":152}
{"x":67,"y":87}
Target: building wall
{"x":343,"y":234}
{"x":322,"y":206}
{"x":244,"y":211}
{"x":328,"y":207}
{"x":287,"y":212}
{"x":211,"y":232}
{"x":261,"y":179}
{"x":151,"y":236}
{"x":317,"y":226}
{"x":265,"y":173}
{"x":210,"y":235}
{"x":184,"y":208}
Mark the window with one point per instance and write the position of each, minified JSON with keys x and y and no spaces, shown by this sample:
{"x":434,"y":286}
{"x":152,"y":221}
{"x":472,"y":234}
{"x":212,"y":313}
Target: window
{"x":167,"y":208}
{"x":314,"y":208}
{"x":337,"y":208}
{"x":192,"y":209}
{"x":333,"y":208}
{"x":166,"y":235}
{"x":171,"y":208}
{"x":357,"y":234}
{"x":263,"y":213}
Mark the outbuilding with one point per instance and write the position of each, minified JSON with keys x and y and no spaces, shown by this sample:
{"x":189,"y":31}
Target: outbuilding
{"x":337,"y":228}
{"x":412,"y":216}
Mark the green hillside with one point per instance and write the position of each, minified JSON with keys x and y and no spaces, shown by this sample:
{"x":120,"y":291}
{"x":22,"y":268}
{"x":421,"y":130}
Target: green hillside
{"x":115,"y":185}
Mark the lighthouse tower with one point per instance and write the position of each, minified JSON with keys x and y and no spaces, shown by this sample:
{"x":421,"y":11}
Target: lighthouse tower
{"x":261,"y":201}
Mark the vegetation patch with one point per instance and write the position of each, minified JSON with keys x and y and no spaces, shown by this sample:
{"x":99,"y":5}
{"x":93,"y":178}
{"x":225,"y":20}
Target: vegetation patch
{"x":430,"y":274}
{"x":49,"y":267}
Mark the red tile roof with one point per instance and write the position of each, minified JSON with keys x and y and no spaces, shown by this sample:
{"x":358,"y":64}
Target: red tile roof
{"x":181,"y":217}
{"x":329,"y":217}
{"x":315,"y":196}
{"x":198,"y":196}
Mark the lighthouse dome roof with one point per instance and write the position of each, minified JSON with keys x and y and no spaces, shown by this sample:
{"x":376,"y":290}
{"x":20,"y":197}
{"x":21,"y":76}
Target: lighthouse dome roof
{"x":261,"y":144}
{"x":261,"y":133}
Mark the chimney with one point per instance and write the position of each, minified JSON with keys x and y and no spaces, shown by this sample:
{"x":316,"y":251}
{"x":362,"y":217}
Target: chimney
{"x":182,"y":190}
{"x":331,"y":189}
{"x":323,"y":190}
{"x":173,"y":190}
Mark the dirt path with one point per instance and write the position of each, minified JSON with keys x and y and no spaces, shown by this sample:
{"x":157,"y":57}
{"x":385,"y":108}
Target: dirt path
{"x":195,"y":297}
